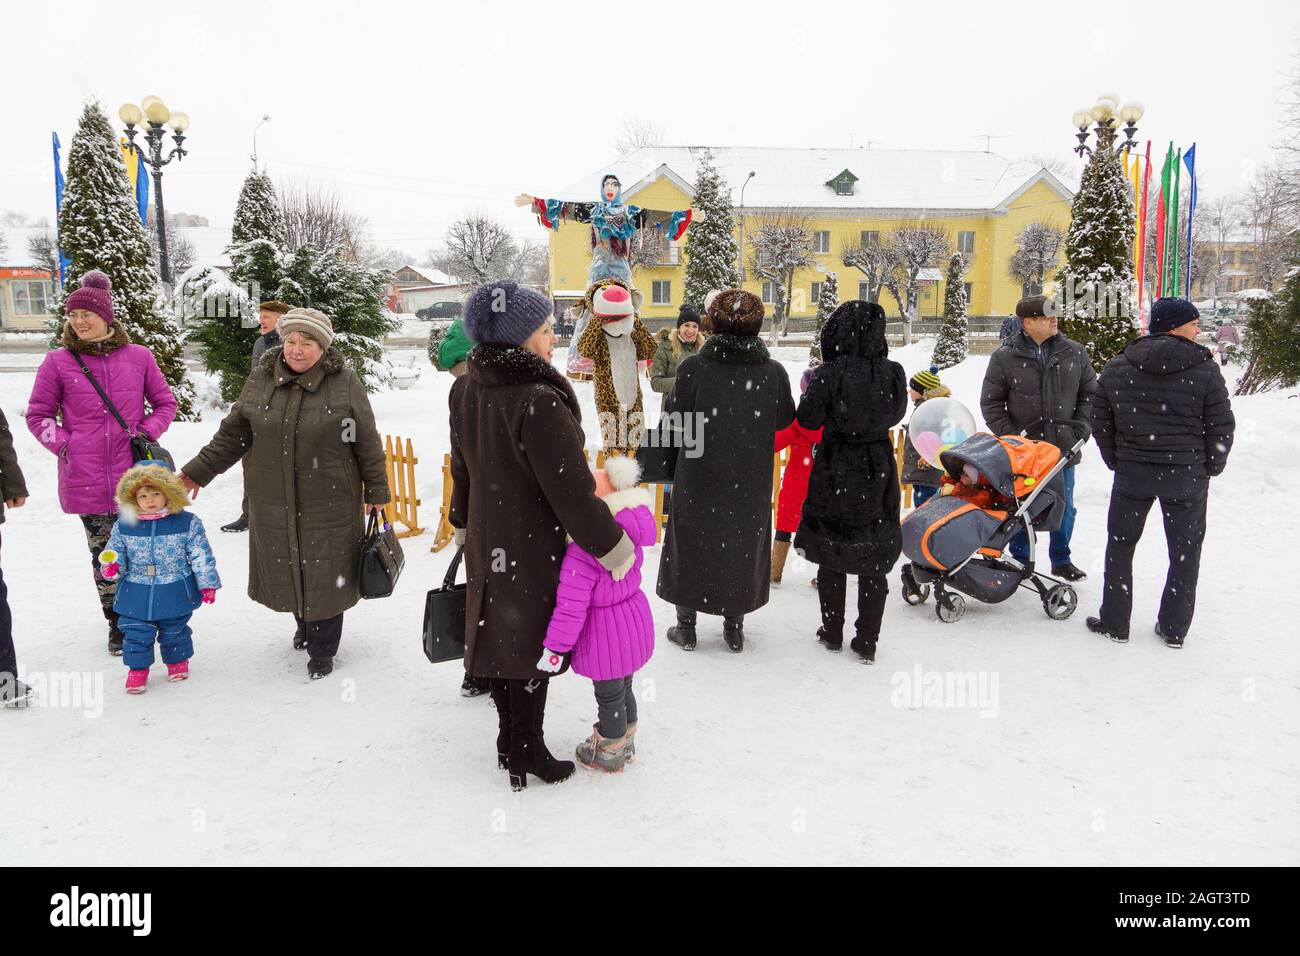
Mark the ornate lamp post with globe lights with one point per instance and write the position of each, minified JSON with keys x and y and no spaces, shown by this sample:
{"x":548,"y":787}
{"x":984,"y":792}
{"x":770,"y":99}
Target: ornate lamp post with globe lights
{"x":1107,"y":113}
{"x":155,"y":112}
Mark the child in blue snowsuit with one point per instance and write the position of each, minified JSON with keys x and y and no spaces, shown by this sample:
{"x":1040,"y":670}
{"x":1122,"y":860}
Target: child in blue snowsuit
{"x":162,"y":556}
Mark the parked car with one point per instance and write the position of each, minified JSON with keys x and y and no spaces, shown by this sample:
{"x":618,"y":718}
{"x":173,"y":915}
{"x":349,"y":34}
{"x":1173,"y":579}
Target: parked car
{"x":439,"y":310}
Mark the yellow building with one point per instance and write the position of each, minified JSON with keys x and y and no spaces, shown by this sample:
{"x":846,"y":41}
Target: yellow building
{"x":981,"y":199}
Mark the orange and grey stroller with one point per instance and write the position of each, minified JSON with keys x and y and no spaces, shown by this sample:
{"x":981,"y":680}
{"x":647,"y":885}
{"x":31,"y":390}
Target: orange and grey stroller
{"x":960,"y":543}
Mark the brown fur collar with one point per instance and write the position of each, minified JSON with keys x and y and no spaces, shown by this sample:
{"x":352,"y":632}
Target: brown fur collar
{"x":493,"y":364}
{"x":72,"y":343}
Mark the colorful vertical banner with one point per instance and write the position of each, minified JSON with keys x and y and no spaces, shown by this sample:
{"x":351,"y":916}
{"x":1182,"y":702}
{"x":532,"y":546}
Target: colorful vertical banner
{"x":1190,"y":160}
{"x":139,"y":176}
{"x":1171,"y":231}
{"x":1142,"y":236}
{"x":1162,"y":220}
{"x":64,"y":261}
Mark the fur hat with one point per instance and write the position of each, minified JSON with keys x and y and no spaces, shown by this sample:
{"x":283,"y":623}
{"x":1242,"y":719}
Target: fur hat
{"x":157,"y":475}
{"x":94,"y":295}
{"x":1035,"y":307}
{"x":310,"y":322}
{"x":737,"y":312}
{"x":1169,"y":313}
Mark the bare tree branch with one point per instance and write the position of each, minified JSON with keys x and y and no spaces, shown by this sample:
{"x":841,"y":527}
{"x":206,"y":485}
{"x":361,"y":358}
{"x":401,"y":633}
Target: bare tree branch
{"x":317,"y":217}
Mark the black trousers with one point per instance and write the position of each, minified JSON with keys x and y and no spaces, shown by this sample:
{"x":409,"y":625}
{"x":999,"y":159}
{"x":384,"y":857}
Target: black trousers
{"x":8,"y":658}
{"x":322,"y":636}
{"x":832,"y":590}
{"x":1182,"y":492}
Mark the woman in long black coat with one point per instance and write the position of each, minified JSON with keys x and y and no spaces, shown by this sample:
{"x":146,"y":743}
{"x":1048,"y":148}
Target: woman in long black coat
{"x":520,"y":485}
{"x":850,"y":518}
{"x":731,"y":398}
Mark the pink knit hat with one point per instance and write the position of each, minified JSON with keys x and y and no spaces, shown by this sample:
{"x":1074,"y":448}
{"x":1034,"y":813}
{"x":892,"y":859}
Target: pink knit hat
{"x":95,"y":295}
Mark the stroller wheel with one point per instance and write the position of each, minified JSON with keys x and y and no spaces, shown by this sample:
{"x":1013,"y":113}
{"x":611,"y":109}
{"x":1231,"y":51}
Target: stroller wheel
{"x":1060,"y":601}
{"x":913,"y":593}
{"x":949,"y":607}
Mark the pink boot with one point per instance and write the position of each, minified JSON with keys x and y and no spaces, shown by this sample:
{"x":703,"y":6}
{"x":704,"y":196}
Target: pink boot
{"x":178,"y":671}
{"x":136,"y":681}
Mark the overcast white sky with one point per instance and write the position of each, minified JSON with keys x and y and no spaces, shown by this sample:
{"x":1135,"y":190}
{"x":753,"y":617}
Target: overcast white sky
{"x":419,"y":112}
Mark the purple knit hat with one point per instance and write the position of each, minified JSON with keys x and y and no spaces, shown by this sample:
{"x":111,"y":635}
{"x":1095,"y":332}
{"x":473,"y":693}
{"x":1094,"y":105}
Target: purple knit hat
{"x":505,"y":312}
{"x":95,"y":295}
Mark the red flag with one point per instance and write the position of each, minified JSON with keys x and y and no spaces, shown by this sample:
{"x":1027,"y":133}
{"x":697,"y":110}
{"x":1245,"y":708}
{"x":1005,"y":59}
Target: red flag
{"x":1142,"y":237}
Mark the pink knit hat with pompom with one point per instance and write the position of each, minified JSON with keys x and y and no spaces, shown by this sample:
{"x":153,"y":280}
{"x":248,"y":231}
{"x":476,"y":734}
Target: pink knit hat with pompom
{"x":95,"y":295}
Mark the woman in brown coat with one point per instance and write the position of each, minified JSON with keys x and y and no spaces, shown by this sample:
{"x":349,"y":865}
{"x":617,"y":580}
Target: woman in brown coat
{"x":521,"y":485}
{"x":305,"y":432}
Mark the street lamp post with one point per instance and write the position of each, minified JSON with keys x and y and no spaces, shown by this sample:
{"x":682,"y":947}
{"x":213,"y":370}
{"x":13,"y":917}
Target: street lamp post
{"x":265,"y":118}
{"x":1106,"y":114}
{"x":742,"y":226}
{"x":153,"y":110}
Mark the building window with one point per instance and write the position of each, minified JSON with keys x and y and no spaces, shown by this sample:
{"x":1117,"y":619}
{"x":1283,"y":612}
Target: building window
{"x":661,"y":292}
{"x":870,"y":237}
{"x":674,"y":253}
{"x":29,"y":298}
{"x":864,"y":291}
{"x":844,"y":187}
{"x":966,"y":244}
{"x":816,"y":293}
{"x":821,"y":241}
{"x":769,"y":293}
{"x":1228,"y":258}
{"x":967,"y":286}
{"x":1247,"y":257}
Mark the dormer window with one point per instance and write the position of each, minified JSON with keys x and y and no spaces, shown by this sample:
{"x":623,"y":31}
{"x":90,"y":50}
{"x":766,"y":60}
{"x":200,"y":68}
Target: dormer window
{"x":843,"y":183}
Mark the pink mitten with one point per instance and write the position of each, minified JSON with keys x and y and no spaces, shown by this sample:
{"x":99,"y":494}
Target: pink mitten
{"x":209,"y":595}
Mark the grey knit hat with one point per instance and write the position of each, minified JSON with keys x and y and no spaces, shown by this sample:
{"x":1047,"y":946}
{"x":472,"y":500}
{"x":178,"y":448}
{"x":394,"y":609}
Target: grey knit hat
{"x":505,"y":313}
{"x":310,"y":322}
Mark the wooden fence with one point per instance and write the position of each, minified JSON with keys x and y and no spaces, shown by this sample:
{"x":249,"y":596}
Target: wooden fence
{"x":445,"y":531}
{"x":402,"y":510}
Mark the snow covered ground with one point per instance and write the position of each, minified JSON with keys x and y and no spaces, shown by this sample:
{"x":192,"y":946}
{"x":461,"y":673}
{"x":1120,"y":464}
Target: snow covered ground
{"x":1074,"y":750}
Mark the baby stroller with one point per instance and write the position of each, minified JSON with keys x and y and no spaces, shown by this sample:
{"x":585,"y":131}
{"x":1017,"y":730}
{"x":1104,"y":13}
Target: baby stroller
{"x":959,"y":542}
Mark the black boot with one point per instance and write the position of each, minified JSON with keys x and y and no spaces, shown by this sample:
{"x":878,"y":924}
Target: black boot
{"x":473,"y":686}
{"x":236,"y":526}
{"x":865,"y":648}
{"x":683,"y":635}
{"x":528,"y":753}
{"x":1095,"y":625}
{"x":733,"y":632}
{"x":114,"y":634}
{"x":299,"y":638}
{"x":1068,"y":572}
{"x":831,"y":640}
{"x":1171,"y":640}
{"x":318,"y":667}
{"x":500,"y":691}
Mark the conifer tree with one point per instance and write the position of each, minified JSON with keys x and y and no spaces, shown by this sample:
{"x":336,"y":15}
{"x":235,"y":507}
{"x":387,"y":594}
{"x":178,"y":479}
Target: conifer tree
{"x":953,"y":343}
{"x":99,"y":228}
{"x":1095,"y":296}
{"x":711,"y":251}
{"x":827,"y":303}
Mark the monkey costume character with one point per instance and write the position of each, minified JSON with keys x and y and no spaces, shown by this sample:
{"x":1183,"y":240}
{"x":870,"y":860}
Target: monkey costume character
{"x":615,"y":339}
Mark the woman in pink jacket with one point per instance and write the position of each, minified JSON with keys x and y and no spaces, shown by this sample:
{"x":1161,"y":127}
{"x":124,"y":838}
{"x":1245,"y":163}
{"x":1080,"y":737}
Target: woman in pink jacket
{"x":606,"y":624}
{"x":68,"y":417}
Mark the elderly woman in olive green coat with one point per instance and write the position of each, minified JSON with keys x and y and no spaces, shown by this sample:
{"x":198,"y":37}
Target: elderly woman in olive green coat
{"x":305,"y":432}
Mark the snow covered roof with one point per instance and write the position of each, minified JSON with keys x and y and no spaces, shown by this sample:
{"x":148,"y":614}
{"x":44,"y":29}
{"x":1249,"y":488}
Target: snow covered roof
{"x":887,"y":179}
{"x":431,"y":275}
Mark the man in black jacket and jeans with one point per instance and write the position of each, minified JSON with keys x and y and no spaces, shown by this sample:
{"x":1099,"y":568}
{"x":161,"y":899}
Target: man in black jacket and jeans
{"x":1164,"y":425}
{"x":1041,"y":382}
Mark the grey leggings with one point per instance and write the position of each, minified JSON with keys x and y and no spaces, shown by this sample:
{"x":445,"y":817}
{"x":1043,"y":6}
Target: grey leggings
{"x":615,"y":706}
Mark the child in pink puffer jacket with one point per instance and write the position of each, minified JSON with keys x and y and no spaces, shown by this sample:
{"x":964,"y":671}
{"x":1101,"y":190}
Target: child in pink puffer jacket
{"x":606,"y":624}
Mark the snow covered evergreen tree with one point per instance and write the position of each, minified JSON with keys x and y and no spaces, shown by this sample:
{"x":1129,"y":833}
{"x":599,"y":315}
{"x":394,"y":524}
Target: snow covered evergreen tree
{"x":1272,"y":340}
{"x":99,"y":228}
{"x":711,"y":251}
{"x":1096,"y":291}
{"x":953,"y":343}
{"x":223,"y":316}
{"x":352,"y":296}
{"x":826,"y":304}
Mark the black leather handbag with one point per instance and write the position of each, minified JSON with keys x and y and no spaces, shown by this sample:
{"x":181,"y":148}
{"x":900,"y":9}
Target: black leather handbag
{"x":143,"y":448}
{"x":444,"y":617}
{"x":381,"y":559}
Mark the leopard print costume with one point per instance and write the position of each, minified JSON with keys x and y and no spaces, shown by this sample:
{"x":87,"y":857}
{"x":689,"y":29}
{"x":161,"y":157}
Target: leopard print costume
{"x":621,"y":426}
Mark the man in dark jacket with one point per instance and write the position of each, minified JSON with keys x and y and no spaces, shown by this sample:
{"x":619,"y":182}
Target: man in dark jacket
{"x":13,"y":488}
{"x":268,"y":314}
{"x":1164,"y":425}
{"x":1041,"y":382}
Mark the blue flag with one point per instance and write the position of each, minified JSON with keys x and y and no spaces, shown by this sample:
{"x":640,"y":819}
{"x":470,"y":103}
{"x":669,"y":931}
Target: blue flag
{"x":1189,"y":160}
{"x":141,"y":187}
{"x":64,"y":261}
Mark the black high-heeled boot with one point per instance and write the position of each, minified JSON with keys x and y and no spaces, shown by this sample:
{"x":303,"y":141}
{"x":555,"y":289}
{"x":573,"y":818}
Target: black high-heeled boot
{"x":500,"y":691}
{"x":528,"y":753}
